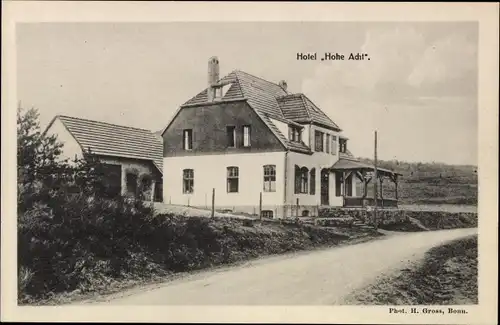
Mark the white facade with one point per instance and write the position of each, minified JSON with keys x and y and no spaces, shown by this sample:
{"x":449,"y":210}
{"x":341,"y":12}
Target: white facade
{"x":283,"y":127}
{"x":210,"y":172}
{"x":318,"y":161}
{"x":71,"y":149}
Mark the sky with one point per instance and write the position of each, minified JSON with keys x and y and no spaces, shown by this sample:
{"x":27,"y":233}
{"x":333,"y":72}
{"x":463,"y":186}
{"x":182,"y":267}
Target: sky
{"x":418,"y":90}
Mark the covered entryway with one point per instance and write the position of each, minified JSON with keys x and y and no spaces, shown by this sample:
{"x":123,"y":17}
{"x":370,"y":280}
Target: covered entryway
{"x":325,"y":186}
{"x":349,"y":169}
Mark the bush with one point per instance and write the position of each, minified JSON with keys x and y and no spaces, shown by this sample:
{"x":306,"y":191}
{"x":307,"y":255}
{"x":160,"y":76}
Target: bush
{"x":74,"y":236}
{"x":83,"y":237}
{"x":343,"y":222}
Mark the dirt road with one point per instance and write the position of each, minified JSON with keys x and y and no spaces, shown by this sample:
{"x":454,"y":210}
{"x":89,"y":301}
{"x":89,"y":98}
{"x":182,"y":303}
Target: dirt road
{"x":316,"y":278}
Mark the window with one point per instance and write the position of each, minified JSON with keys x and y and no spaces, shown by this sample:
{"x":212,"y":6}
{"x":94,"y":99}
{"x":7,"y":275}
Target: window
{"x":270,"y":178}
{"x":304,"y":180}
{"x":267,"y":214}
{"x":301,"y":180}
{"x":146,"y":184}
{"x":158,"y":195}
{"x":187,"y":181}
{"x":318,"y":141}
{"x":312,"y":189}
{"x":232,"y":179}
{"x":294,"y":134}
{"x":334,"y":145}
{"x":246,"y":135}
{"x":327,"y":143}
{"x":112,"y":178}
{"x":343,"y":145}
{"x":231,"y":135}
{"x":187,"y":139}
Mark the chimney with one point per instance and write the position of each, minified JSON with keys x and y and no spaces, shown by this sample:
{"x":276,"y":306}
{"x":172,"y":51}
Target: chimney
{"x":213,"y":77}
{"x":283,"y":84}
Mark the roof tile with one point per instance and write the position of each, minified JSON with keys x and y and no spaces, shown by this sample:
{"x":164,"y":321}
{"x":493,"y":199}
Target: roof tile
{"x":270,"y":100}
{"x":115,"y":140}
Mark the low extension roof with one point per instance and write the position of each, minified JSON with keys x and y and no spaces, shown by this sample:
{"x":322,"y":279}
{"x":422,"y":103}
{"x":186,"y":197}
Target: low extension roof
{"x":344,"y":164}
{"x":114,"y":140}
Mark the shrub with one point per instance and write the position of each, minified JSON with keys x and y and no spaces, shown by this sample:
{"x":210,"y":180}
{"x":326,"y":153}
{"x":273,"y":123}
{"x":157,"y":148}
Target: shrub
{"x":74,"y":236}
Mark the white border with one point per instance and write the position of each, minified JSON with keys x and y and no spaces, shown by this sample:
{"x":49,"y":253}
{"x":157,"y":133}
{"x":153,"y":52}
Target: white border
{"x":39,"y":11}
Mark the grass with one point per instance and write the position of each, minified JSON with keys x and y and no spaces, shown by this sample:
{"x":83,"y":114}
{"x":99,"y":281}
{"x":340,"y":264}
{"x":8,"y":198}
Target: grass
{"x":402,"y":220}
{"x":446,"y":276}
{"x":115,"y":249}
{"x":162,"y":208}
{"x":432,"y":220}
{"x":199,"y":243}
{"x":431,"y":183}
{"x":439,"y":207}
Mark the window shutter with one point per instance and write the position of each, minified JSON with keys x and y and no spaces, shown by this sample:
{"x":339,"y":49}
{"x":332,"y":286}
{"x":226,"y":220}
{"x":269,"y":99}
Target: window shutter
{"x":297,"y":179}
{"x":313,"y":181}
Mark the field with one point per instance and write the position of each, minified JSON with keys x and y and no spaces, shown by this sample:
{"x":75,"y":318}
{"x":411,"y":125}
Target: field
{"x":454,"y":208}
{"x":432,"y":183}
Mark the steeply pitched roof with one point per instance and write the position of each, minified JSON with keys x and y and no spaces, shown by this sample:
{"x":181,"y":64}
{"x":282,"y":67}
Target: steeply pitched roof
{"x":269,"y":100}
{"x":299,"y":108}
{"x":115,"y":140}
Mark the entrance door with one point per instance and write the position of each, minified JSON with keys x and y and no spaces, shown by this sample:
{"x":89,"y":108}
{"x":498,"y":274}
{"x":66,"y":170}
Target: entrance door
{"x":158,"y":192}
{"x":325,"y":186}
{"x":112,"y":179}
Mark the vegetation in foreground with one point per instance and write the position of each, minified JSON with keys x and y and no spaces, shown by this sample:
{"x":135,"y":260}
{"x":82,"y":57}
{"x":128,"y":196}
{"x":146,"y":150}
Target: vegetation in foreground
{"x":447,"y":276}
{"x":427,"y":220}
{"x":76,"y":237}
{"x":400,"y":220}
{"x":104,"y":243}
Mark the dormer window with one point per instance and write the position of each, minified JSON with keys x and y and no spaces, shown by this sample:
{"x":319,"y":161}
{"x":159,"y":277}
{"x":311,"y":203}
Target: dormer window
{"x":295,"y":134}
{"x":342,"y":145}
{"x":318,"y":141}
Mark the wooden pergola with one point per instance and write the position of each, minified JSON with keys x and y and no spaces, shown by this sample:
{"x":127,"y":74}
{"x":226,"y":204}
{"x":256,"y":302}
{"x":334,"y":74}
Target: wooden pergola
{"x":364,"y":172}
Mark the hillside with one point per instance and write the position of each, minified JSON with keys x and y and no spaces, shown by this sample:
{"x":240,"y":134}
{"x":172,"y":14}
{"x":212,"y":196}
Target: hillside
{"x":431,"y":183}
{"x":446,"y":276}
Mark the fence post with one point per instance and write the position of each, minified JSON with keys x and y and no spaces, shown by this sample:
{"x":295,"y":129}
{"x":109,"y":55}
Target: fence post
{"x":169,"y":200}
{"x":213,"y":202}
{"x":260,"y":206}
{"x":188,"y":200}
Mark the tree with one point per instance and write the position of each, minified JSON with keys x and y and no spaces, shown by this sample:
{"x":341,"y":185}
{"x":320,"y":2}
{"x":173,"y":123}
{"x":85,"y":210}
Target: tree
{"x":38,"y":154}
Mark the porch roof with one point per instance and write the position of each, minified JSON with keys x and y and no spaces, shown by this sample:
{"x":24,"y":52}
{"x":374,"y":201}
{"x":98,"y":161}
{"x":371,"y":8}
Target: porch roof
{"x":350,"y":164}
